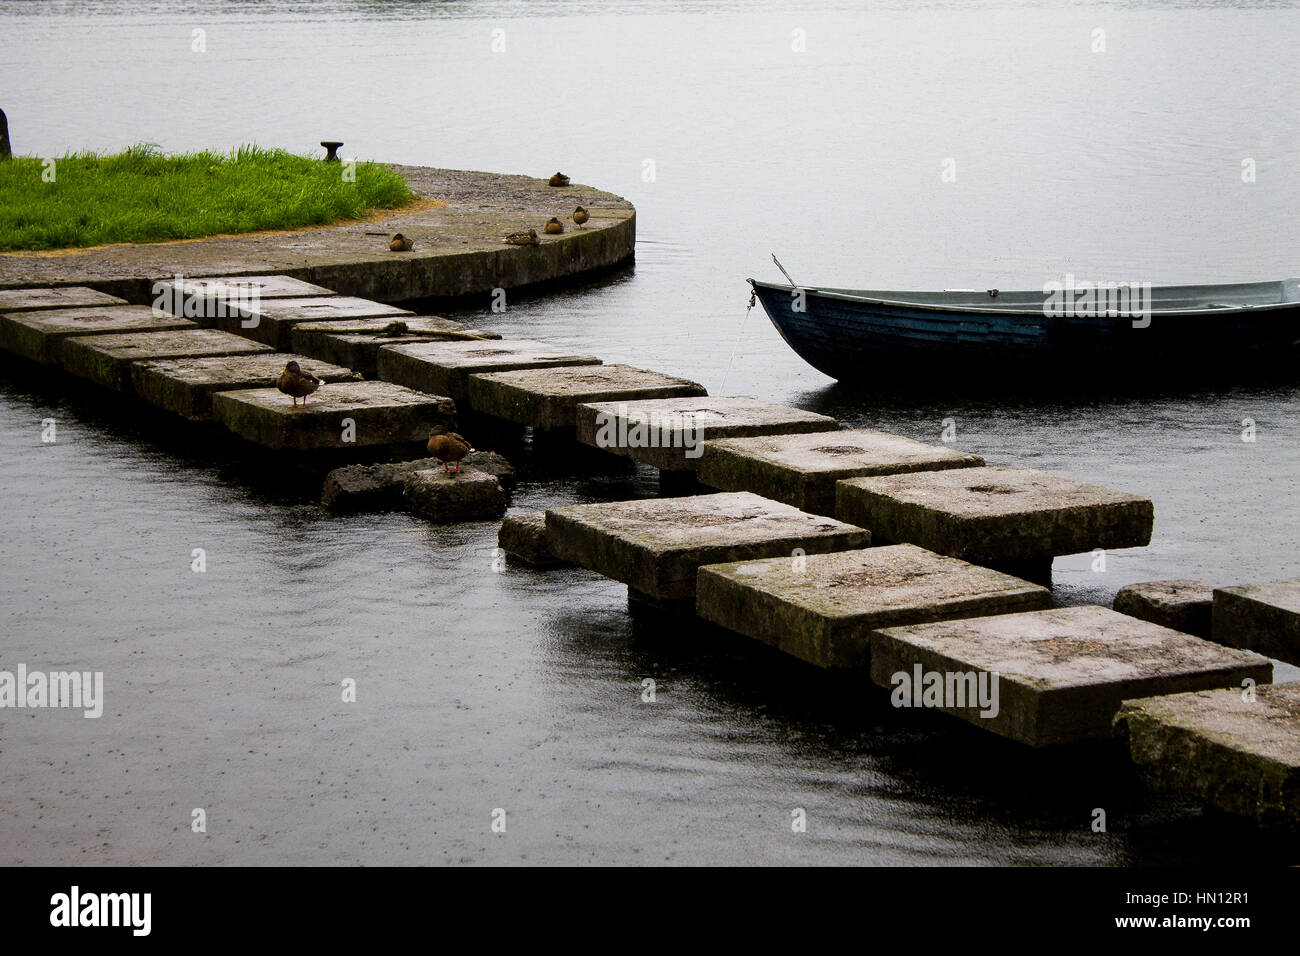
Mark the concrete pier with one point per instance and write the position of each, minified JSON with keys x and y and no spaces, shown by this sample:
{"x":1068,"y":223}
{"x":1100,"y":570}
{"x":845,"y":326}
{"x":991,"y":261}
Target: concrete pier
{"x":1182,"y":605}
{"x":272,"y":321}
{"x":1260,"y":617}
{"x":669,"y":433}
{"x":186,"y":386}
{"x":443,"y":497}
{"x":107,"y":359}
{"x":802,"y":470}
{"x":356,"y":343}
{"x":338,"y":416}
{"x":380,"y":487}
{"x":995,"y":515}
{"x":58,"y":297}
{"x":1062,"y":673}
{"x":39,"y":335}
{"x":444,"y":368}
{"x":656,"y":546}
{"x":1237,"y":751}
{"x":547,"y":399}
{"x":822,"y":608}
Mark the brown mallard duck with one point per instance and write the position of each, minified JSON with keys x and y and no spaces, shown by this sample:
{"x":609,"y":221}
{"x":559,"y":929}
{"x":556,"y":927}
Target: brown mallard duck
{"x":580,"y":216}
{"x":448,"y":447}
{"x":400,"y":243}
{"x":296,"y":383}
{"x":528,"y":238}
{"x":559,"y":179}
{"x":553,"y":227}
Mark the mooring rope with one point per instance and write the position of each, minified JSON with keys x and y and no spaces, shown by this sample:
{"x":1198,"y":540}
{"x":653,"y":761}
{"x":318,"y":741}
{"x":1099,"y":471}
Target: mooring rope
{"x":753,"y":298}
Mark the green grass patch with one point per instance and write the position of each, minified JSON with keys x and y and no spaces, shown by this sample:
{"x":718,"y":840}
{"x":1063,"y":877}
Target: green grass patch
{"x":140,"y":195}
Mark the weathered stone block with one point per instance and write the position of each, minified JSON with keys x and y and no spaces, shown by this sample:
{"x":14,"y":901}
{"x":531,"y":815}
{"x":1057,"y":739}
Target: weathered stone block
{"x":57,"y":297}
{"x":238,"y":289}
{"x":356,"y":343}
{"x":445,"y":497}
{"x":39,"y":335}
{"x":523,"y":536}
{"x":1260,"y":617}
{"x":548,"y":398}
{"x":107,"y":359}
{"x":995,"y":513}
{"x":380,"y":487}
{"x":186,"y":386}
{"x":1182,"y":605}
{"x":656,"y":546}
{"x":822,"y":608}
{"x":338,"y":416}
{"x":802,"y":470}
{"x":1062,"y":673}
{"x":1235,"y":753}
{"x":444,"y":368}
{"x":273,"y":320}
{"x":669,"y":433}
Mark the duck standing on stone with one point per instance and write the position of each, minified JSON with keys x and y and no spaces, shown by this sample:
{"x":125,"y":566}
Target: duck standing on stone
{"x":559,"y":179}
{"x":448,"y":447}
{"x":553,"y":227}
{"x":580,"y":216}
{"x":400,"y":243}
{"x":296,"y":383}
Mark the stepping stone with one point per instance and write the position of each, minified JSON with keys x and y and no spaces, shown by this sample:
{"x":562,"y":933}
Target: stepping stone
{"x":39,"y":335}
{"x":186,"y":386}
{"x":59,"y":297}
{"x":523,"y":536}
{"x":1182,"y":605}
{"x":184,"y":292}
{"x":1260,"y":617}
{"x":1062,"y":673}
{"x":1237,"y":754}
{"x":107,"y":359}
{"x":444,"y":368}
{"x":445,"y":497}
{"x":548,"y":398}
{"x":823,"y":608}
{"x":802,"y":470}
{"x":669,"y":433}
{"x":272,"y":321}
{"x":995,"y":513}
{"x":356,"y":343}
{"x":379,"y":414}
{"x":380,"y":487}
{"x":657,"y":545}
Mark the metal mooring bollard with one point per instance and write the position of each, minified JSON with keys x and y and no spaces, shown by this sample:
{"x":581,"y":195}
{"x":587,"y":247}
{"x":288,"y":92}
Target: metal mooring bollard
{"x":333,"y":147}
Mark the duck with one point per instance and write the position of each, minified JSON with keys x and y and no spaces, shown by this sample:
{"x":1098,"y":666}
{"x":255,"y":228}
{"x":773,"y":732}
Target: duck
{"x":553,"y":227}
{"x":559,"y":179}
{"x":580,"y":216}
{"x":528,"y":238}
{"x":448,"y":447}
{"x":296,"y":383}
{"x":400,"y":243}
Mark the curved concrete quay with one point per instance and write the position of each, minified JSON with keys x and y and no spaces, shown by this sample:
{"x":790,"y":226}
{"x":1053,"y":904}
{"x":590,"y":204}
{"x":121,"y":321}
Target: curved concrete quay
{"x":458,"y":229}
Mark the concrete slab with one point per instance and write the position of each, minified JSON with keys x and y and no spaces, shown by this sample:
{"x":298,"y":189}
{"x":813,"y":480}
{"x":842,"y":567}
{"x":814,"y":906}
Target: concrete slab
{"x":1260,"y":617}
{"x":107,"y":359}
{"x":380,"y":487}
{"x":823,"y":608}
{"x":444,"y":368}
{"x":379,"y":414}
{"x":56,"y":297}
{"x":39,"y":335}
{"x":1062,"y":673}
{"x":547,"y":399}
{"x":444,"y":497}
{"x":669,"y":433}
{"x":656,"y":546}
{"x":995,"y":513}
{"x":1182,"y":605}
{"x":236,"y":288}
{"x":186,"y":386}
{"x":356,"y":343}
{"x":802,"y":470}
{"x":523,"y":536}
{"x":273,"y":320}
{"x":1234,"y":753}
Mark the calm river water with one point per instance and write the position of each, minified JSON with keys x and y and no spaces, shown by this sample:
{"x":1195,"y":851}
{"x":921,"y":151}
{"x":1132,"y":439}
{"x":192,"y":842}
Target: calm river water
{"x":818,"y":131}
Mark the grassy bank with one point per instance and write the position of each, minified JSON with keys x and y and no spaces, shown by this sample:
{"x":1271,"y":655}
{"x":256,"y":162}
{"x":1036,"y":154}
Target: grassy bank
{"x":140,"y":195}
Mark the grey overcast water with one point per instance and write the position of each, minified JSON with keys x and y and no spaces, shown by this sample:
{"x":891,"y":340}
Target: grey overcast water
{"x":521,"y":690}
